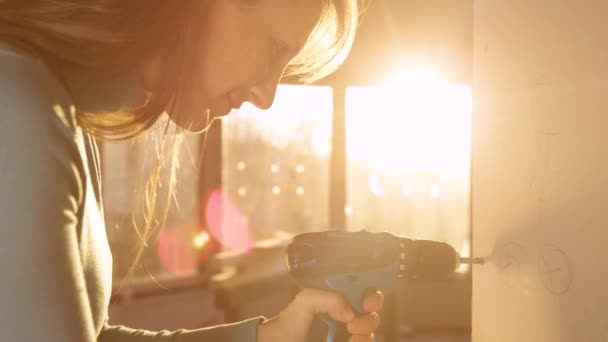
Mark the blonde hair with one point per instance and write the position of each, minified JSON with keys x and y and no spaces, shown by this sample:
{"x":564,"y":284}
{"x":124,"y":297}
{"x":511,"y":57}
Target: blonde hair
{"x":115,"y":36}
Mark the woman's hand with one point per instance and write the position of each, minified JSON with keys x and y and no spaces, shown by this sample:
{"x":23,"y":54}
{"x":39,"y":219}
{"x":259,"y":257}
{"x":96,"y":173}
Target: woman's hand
{"x":293,"y":323}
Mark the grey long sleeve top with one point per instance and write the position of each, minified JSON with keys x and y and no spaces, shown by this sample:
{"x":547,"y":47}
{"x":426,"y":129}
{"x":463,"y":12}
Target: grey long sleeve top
{"x":55,"y":262}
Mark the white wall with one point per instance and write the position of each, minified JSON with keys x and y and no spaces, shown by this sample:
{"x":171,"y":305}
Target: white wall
{"x":540,"y":170}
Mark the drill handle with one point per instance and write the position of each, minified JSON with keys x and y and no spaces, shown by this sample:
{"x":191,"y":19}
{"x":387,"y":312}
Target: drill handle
{"x":352,"y":286}
{"x":336,"y":331}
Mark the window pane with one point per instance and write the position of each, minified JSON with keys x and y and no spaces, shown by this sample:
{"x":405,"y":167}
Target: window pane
{"x":408,"y":150}
{"x":126,"y":167}
{"x":276,"y":163}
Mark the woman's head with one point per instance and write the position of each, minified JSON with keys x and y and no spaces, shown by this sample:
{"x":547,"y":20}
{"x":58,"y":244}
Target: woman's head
{"x":198,"y":57}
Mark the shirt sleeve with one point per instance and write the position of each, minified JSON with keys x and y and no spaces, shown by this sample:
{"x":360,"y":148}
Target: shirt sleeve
{"x":44,"y":295}
{"x":245,"y":331}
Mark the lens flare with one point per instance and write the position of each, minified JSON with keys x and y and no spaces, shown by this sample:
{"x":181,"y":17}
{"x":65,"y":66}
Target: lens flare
{"x":227,"y":223}
{"x":175,"y":250}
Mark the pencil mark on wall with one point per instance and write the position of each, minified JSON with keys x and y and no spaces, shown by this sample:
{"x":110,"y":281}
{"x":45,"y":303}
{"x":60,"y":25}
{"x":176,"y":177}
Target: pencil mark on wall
{"x":554,"y":269}
{"x":509,"y":259}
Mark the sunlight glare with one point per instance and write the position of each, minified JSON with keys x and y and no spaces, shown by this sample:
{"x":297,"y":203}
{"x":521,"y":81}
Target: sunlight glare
{"x":415,"y":124}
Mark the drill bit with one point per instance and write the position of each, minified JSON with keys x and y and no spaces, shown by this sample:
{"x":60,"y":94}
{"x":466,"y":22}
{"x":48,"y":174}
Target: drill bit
{"x":471,"y":261}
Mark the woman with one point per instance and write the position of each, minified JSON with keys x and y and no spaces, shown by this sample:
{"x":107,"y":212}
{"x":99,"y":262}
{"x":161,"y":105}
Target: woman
{"x":71,"y":70}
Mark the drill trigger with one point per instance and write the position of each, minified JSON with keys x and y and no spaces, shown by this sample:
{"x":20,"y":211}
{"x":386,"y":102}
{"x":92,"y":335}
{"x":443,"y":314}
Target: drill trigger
{"x":353,"y":285}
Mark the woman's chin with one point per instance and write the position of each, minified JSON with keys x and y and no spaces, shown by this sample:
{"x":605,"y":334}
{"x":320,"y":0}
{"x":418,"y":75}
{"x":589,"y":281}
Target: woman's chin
{"x":197,"y":123}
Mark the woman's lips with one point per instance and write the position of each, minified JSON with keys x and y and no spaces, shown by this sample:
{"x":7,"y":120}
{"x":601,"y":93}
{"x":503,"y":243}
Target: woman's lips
{"x":225,"y":105}
{"x":234,"y":103}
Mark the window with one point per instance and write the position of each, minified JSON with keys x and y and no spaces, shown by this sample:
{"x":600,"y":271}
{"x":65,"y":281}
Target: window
{"x":276,"y":164}
{"x":407,"y":172}
{"x":408,"y":148}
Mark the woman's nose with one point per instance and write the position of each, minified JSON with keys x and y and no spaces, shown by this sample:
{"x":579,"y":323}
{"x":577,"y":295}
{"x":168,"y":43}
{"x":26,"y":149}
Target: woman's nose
{"x":262,"y":96}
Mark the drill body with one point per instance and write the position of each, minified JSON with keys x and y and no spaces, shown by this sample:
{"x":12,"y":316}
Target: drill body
{"x":351,"y":263}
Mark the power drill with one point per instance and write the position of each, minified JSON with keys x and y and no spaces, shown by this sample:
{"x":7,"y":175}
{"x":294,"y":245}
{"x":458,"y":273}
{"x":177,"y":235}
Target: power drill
{"x":351,"y":263}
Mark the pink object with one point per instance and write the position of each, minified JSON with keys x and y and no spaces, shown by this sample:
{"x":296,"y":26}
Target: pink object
{"x":227,"y":223}
{"x":175,"y":250}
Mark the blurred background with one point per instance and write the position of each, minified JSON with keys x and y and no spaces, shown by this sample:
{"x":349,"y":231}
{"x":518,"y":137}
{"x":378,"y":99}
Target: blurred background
{"x":382,"y":145}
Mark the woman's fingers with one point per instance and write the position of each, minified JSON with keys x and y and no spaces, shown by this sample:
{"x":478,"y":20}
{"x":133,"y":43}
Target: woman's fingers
{"x":373,"y":301}
{"x":362,"y":327}
{"x":316,"y":301}
{"x":364,"y":324}
{"x":293,"y":323}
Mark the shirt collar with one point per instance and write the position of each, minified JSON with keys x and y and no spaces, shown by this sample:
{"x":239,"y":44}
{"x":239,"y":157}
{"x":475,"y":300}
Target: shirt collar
{"x":102,"y":92}
{"x":96,"y":91}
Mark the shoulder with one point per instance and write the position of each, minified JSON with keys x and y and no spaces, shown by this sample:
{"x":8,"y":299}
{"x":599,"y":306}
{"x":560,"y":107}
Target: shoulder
{"x":30,"y":95}
{"x":38,"y":131}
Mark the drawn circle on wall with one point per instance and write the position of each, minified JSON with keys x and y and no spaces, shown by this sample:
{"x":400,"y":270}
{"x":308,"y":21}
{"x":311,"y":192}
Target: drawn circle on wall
{"x":554,"y":269}
{"x":509,"y":259}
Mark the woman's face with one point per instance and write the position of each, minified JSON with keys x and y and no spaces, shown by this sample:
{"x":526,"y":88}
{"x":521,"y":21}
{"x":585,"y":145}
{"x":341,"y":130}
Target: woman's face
{"x":244,"y":50}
